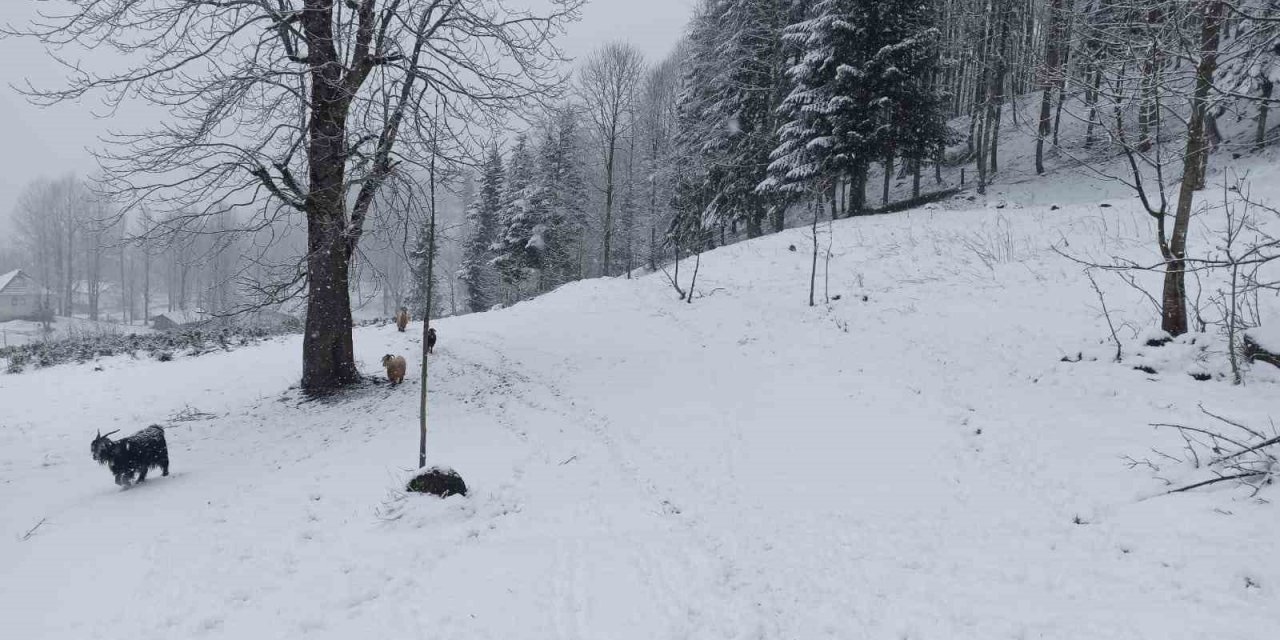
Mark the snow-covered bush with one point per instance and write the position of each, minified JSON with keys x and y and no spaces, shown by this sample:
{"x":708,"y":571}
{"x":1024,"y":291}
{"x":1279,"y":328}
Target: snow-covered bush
{"x":160,"y":346}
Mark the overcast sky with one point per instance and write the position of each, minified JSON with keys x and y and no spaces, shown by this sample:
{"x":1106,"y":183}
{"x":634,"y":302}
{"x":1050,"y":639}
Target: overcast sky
{"x":51,"y":141}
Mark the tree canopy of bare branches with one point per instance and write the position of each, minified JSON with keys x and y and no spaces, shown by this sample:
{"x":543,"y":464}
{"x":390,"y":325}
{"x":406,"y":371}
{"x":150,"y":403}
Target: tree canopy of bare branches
{"x":299,"y":107}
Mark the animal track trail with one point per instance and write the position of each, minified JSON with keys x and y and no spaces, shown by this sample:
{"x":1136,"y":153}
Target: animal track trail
{"x":702,"y":556}
{"x":671,"y":597}
{"x":565,"y":580}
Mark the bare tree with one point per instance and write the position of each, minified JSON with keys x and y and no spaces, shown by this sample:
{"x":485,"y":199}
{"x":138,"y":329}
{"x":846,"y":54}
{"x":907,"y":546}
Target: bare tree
{"x":1195,"y":160}
{"x":1055,"y":45}
{"x":53,"y":219}
{"x":608,"y":84}
{"x":297,"y":106}
{"x":657,"y":113}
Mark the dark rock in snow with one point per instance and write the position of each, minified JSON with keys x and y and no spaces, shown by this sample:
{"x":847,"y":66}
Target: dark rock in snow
{"x":791,"y":248}
{"x":1145,"y":369}
{"x":1054,"y":207}
{"x":1201,"y":376}
{"x":1105,"y":205}
{"x":438,"y":481}
{"x":1255,"y":352}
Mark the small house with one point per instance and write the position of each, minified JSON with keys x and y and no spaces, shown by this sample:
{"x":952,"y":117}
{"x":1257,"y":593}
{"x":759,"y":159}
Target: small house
{"x":177,"y":320}
{"x":20,"y":296}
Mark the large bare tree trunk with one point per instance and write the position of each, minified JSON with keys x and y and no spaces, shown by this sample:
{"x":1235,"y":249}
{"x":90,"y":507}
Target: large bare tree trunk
{"x":1050,"y":72}
{"x":327,"y":350}
{"x":1174,"y":299}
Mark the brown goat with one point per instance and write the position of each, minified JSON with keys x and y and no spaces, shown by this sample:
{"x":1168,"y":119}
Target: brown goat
{"x":402,"y":319}
{"x":396,"y":367}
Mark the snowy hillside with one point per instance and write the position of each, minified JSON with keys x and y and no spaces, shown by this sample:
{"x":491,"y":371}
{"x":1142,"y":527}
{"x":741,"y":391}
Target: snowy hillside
{"x":912,"y":460}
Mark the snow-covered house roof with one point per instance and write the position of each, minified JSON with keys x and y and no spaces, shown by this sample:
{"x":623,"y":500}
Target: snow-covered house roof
{"x":180,"y":318}
{"x":17,"y":282}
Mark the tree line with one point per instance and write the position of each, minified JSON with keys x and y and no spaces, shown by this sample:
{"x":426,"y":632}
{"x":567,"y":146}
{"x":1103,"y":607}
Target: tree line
{"x":307,"y":114}
{"x":96,"y":263}
{"x":773,"y":110}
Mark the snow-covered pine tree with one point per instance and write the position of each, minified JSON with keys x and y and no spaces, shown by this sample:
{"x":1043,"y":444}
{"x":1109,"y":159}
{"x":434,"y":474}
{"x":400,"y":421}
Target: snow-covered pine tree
{"x":904,"y":58}
{"x":862,"y":93}
{"x":563,"y":173}
{"x":477,"y":271}
{"x":519,"y":219}
{"x":824,"y":116}
{"x":748,"y":85}
{"x":694,"y":123}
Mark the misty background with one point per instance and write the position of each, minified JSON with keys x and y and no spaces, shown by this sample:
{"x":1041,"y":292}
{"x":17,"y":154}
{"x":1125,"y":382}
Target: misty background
{"x":53,"y":141}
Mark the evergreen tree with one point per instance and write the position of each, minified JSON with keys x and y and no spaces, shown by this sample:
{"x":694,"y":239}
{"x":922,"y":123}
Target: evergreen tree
{"x":695,"y":126}
{"x":823,"y":133}
{"x":563,"y":173}
{"x":748,"y":88}
{"x":910,"y":121}
{"x":477,"y":271}
{"x":522,"y":219}
{"x":422,"y":281}
{"x":862,"y":93}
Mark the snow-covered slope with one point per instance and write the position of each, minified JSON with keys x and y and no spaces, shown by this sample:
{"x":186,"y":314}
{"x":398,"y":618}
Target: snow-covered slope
{"x":912,"y":460}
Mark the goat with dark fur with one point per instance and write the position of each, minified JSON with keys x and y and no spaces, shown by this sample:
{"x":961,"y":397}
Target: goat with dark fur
{"x":133,"y":455}
{"x":431,"y":340}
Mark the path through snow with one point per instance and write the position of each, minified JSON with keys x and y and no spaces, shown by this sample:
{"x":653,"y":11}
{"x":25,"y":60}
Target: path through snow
{"x":918,"y":464}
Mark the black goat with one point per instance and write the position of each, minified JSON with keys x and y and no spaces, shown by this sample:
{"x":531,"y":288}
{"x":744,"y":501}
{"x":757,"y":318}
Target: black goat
{"x":134,"y":455}
{"x":431,"y":340}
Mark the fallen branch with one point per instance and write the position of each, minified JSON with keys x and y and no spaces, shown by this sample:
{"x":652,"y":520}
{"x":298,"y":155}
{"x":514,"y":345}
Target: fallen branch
{"x":1255,"y":447}
{"x":1240,"y":459}
{"x":1203,"y":431}
{"x":1230,"y":422}
{"x":1238,"y":476}
{"x":32,"y":531}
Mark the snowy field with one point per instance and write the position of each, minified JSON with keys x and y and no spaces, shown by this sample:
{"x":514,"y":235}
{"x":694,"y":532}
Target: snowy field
{"x":911,"y":461}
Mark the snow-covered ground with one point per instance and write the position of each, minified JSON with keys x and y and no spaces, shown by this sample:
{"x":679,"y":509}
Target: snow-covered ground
{"x":19,"y":332}
{"x":912,"y":460}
